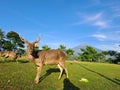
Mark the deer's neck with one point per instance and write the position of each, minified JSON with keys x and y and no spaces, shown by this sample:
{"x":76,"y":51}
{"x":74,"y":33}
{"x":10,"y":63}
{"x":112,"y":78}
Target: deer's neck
{"x":35,"y":54}
{"x":34,"y":58}
{"x":30,"y":57}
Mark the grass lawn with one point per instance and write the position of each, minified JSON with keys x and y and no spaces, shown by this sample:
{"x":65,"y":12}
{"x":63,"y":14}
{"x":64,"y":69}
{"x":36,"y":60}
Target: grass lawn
{"x":20,"y":76}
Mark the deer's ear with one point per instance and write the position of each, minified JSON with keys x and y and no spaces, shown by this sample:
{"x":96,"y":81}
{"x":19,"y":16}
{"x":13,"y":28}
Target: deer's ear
{"x":36,"y":43}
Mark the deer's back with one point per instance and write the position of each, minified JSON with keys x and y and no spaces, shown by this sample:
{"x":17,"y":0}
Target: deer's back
{"x":10,"y":54}
{"x":51,"y":56}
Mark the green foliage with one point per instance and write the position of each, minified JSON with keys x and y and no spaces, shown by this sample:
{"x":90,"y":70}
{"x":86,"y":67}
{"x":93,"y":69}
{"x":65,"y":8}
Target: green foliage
{"x":111,"y":56}
{"x":36,"y":48}
{"x":15,"y":40}
{"x":62,"y":48}
{"x":46,"y":47}
{"x":112,"y":53}
{"x":8,"y":46}
{"x":117,"y":59}
{"x":10,"y":42}
{"x":91,"y":55}
{"x":21,"y":51}
{"x":2,"y":36}
{"x":88,"y":54}
{"x":69,"y":53}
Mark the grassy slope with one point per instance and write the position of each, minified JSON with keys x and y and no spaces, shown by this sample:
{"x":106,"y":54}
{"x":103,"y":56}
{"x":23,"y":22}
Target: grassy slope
{"x":20,"y":76}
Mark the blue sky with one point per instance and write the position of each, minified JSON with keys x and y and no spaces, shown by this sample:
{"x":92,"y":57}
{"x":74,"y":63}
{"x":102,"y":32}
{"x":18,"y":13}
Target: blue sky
{"x":68,"y":22}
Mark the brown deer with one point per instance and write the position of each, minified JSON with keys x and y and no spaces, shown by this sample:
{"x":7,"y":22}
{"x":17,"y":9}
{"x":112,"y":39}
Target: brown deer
{"x":10,"y":54}
{"x":45,"y":57}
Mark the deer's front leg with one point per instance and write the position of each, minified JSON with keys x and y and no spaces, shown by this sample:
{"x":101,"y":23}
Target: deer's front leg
{"x":39,"y":69}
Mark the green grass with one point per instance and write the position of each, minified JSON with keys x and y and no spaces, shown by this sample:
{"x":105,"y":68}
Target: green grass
{"x":20,"y":76}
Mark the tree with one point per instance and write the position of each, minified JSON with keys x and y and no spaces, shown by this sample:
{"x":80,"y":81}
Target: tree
{"x":21,"y":51}
{"x":11,"y":42}
{"x":112,"y":56}
{"x":69,"y":53}
{"x":101,"y":57}
{"x":62,"y":48}
{"x":88,"y":54}
{"x":117,"y":60}
{"x":2,"y":36}
{"x":36,"y":48}
{"x":8,"y":46}
{"x":15,"y":40}
{"x":46,"y":47}
{"x":112,"y":53}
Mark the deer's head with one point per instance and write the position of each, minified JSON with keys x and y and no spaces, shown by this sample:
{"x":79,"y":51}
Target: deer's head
{"x":30,"y":46}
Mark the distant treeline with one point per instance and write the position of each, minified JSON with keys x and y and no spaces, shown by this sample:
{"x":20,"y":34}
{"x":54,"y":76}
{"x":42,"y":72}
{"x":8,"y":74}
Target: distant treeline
{"x":12,"y":42}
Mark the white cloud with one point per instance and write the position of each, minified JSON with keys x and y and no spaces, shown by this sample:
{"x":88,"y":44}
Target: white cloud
{"x":94,"y":20}
{"x":94,"y":17}
{"x":100,"y":37}
{"x":110,"y":40}
{"x":102,"y":24}
{"x":110,"y":36}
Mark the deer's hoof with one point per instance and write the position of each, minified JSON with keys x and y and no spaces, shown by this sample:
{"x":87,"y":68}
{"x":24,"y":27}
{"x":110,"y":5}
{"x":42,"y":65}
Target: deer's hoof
{"x":36,"y":81}
{"x":59,"y":78}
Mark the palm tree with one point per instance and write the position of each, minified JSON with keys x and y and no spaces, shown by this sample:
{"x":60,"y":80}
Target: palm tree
{"x":46,"y":47}
{"x":62,"y":48}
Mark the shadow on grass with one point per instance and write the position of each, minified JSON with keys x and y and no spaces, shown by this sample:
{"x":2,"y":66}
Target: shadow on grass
{"x":48,"y":72}
{"x":7,"y":61}
{"x":18,"y":61}
{"x":118,"y":80}
{"x":68,"y":85}
{"x":22,"y":61}
{"x":118,"y":83}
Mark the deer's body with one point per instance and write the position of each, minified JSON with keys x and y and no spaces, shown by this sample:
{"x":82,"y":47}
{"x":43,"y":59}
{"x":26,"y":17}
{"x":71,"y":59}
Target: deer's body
{"x":10,"y":54}
{"x":45,"y":57}
{"x":51,"y":56}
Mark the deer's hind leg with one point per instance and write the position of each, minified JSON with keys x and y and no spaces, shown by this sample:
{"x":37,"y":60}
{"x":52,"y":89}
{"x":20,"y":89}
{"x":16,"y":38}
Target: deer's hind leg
{"x":64,"y":67}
